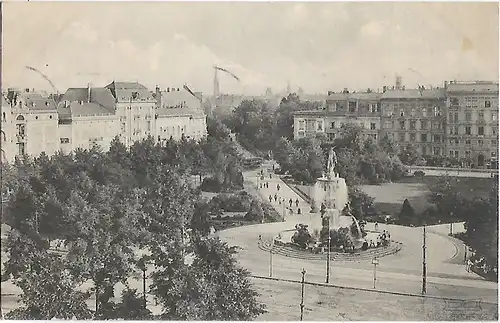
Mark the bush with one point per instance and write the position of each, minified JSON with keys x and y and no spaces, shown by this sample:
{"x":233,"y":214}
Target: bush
{"x":210,"y":184}
{"x":231,"y":202}
{"x":256,"y":212}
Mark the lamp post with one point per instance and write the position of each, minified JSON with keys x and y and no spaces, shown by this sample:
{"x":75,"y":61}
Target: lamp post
{"x":424,"y":264}
{"x":142,"y":266}
{"x":271,"y":259}
{"x":328,"y":254}
{"x":302,"y":295}
{"x":375,"y":263}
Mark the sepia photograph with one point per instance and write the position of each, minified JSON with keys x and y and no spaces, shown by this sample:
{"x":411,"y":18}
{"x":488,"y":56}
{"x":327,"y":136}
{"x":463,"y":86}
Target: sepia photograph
{"x":249,"y":161}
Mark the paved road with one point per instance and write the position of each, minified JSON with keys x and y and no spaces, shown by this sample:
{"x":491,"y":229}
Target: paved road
{"x":460,"y":173}
{"x":399,"y":272}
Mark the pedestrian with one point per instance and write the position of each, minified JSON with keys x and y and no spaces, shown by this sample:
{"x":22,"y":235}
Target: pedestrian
{"x":278,"y":187}
{"x":275,"y":197}
{"x":270,"y":175}
{"x":376,"y":226}
{"x":267,"y":184}
{"x":270,"y":198}
{"x":273,"y":167}
{"x":260,"y":237}
{"x":290,"y":202}
{"x":279,"y":201}
{"x":298,"y":211}
{"x":260,"y":185}
{"x":297,"y":202}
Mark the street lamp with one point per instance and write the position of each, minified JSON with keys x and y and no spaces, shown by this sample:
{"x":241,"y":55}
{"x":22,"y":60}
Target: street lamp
{"x":142,"y":266}
{"x":271,"y":259}
{"x":375,"y":263}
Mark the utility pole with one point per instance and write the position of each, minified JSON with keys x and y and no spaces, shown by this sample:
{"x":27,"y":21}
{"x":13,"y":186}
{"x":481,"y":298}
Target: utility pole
{"x":302,"y":295}
{"x":328,"y":254}
{"x":424,"y":264}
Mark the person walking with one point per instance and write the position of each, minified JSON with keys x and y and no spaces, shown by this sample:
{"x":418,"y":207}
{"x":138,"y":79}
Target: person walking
{"x":297,"y":202}
{"x":290,"y":202}
{"x":270,"y":198}
{"x":279,"y":201}
{"x":278,"y":187}
{"x":270,"y":175}
{"x":376,"y":226}
{"x":298,"y":210}
{"x":275,"y":197}
{"x":267,"y":184}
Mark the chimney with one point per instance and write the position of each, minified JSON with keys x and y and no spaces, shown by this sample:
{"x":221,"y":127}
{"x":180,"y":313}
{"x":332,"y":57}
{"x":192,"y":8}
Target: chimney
{"x":88,"y":92}
{"x":345,"y":90}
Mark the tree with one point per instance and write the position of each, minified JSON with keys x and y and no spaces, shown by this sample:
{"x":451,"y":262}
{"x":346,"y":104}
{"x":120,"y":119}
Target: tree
{"x":388,"y":146}
{"x":407,"y":214}
{"x":360,"y":202}
{"x":409,"y":155}
{"x":49,"y":292}
{"x":256,"y":212}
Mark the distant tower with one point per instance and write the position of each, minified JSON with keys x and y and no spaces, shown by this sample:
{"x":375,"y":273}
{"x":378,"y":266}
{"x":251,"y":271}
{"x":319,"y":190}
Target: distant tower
{"x":399,"y":82}
{"x":216,"y":85}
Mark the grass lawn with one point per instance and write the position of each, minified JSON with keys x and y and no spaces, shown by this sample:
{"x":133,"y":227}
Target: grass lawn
{"x":389,"y":197}
{"x":282,"y":300}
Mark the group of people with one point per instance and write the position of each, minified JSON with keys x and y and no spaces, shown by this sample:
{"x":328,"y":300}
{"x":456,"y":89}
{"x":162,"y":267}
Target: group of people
{"x":276,"y":198}
{"x":383,"y":239}
{"x":479,"y":263}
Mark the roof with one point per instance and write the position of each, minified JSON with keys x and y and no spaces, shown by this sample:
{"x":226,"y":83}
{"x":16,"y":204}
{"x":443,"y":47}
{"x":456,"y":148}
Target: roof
{"x":101,"y":96}
{"x":126,"y":91}
{"x":83,"y":109}
{"x":354,"y":96}
{"x":472,"y":87}
{"x":438,"y":93}
{"x":323,"y":113}
{"x":178,"y":112}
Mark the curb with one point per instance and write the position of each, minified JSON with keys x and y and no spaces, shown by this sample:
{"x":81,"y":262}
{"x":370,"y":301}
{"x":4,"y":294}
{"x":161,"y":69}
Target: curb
{"x":367,"y":289}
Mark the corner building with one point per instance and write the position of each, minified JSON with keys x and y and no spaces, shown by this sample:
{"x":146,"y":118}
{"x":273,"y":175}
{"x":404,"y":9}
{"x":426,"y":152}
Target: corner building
{"x":472,"y":124}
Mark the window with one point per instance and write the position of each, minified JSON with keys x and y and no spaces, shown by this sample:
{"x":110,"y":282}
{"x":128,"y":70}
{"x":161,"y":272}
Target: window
{"x":413,"y":125}
{"x":64,"y":140}
{"x":402,"y":125}
{"x":437,"y":151}
{"x":456,"y":118}
{"x":480,"y":115}
{"x":412,"y":112}
{"x":487,"y":104}
{"x":300,"y":134}
{"x":352,"y":106}
{"x":301,"y":124}
{"x":423,"y":137}
{"x":494,"y":116}
{"x":148,"y":125}
{"x":320,"y":125}
{"x":467,"y":153}
{"x":424,"y":150}
{"x":494,"y":131}
{"x":437,"y":138}
{"x":451,"y":130}
{"x":451,"y":153}
{"x":493,"y":154}
{"x":467,"y":131}
{"x":468,"y":116}
{"x":373,"y":126}
{"x":480,"y":142}
{"x":401,"y":112}
{"x":21,"y":150}
{"x":450,"y":117}
{"x":388,"y":124}
{"x":331,"y":136}
{"x":454,"y":101}
{"x":455,"y":130}
{"x":401,"y":136}
{"x":494,"y":142}
{"x":423,"y":124}
{"x":424,"y":112}
{"x":467,"y":141}
{"x":412,"y":137}
{"x":378,"y":107}
{"x":332,"y":125}
{"x":456,"y":153}
{"x":480,"y":131}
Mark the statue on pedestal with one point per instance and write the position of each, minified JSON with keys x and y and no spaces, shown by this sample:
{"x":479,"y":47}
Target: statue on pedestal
{"x":332,"y":162}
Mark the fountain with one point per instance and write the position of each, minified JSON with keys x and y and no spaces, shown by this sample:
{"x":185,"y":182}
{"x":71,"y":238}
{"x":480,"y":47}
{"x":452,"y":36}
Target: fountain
{"x":331,"y":190}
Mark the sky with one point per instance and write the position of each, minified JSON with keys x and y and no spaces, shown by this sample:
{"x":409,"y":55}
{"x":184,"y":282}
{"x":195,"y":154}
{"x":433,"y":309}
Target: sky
{"x":317,"y":46}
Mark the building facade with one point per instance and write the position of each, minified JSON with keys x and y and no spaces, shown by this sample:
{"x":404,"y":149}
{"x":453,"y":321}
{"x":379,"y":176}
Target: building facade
{"x":472,"y":123}
{"x":362,"y":109}
{"x":415,"y":117}
{"x":88,"y":117}
{"x":30,"y":125}
{"x":459,"y":120}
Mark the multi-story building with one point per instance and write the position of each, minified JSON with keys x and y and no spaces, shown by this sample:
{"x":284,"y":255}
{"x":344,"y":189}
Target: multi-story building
{"x":416,"y":117}
{"x":472,"y":124}
{"x":361,"y":108}
{"x":30,"y":125}
{"x":135,"y":108}
{"x":459,"y":120}
{"x":179,"y":114}
{"x":87,"y":118}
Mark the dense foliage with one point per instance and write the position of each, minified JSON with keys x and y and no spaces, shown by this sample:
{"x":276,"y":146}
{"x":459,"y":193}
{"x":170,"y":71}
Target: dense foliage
{"x":106,"y":206}
{"x":480,"y":215}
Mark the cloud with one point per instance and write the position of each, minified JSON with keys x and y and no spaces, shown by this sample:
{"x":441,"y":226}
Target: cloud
{"x":373,"y":29}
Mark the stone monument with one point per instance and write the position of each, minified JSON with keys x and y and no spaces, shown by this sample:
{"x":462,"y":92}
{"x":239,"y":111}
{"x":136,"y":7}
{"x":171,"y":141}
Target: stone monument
{"x":331,"y":190}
